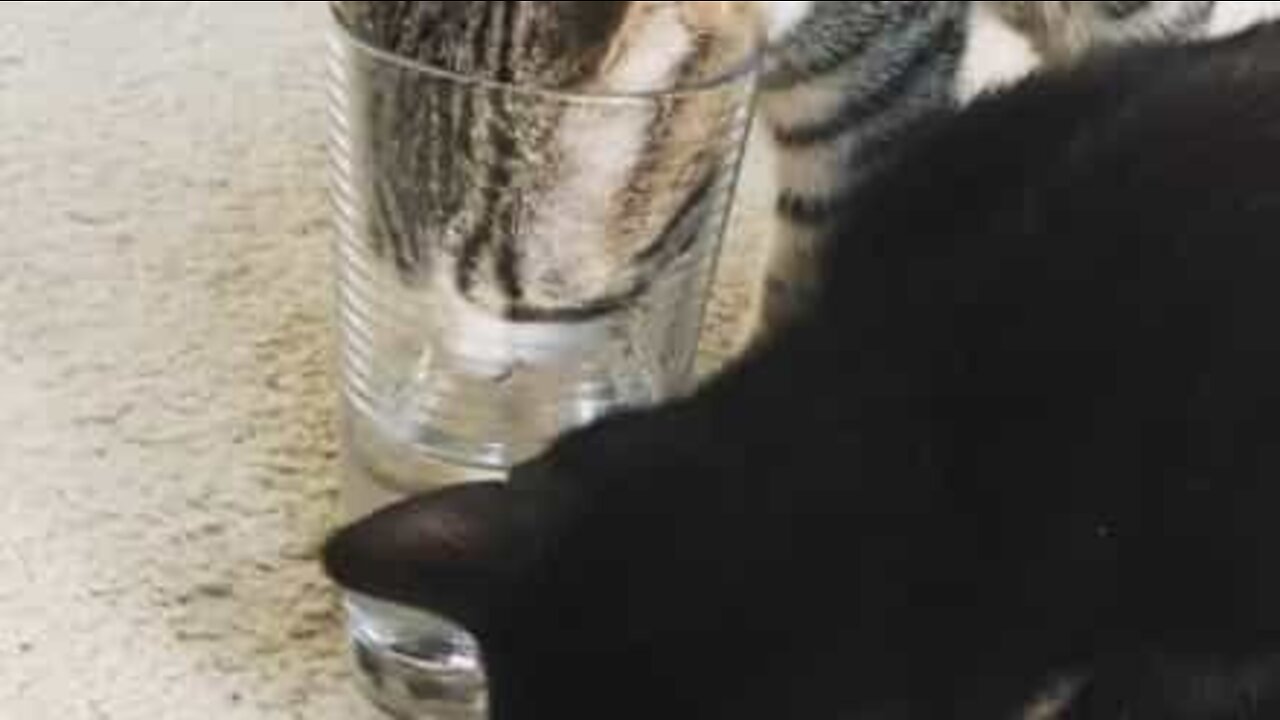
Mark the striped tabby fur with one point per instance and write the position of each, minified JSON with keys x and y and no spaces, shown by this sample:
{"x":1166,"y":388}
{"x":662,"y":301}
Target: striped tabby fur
{"x":844,"y":81}
{"x":856,"y":76}
{"x":570,"y":215}
{"x":851,"y":80}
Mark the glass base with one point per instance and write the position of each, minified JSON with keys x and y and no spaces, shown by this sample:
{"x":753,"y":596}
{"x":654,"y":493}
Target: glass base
{"x":414,"y":665}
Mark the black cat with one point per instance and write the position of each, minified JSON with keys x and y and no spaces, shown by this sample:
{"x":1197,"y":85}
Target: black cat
{"x":1023,"y":459}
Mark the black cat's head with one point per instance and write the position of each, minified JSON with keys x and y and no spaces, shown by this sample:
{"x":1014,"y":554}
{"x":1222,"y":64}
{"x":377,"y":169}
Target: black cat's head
{"x":582,"y":595}
{"x":643,"y":567}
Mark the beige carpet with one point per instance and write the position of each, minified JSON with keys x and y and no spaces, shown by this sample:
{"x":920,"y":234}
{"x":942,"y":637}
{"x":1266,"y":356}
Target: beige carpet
{"x":166,"y":454}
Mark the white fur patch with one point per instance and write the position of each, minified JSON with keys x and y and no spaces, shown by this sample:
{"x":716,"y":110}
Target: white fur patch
{"x":996,"y":55}
{"x":650,"y":59}
{"x":1234,"y":16}
{"x":600,"y":148}
{"x":781,"y":18}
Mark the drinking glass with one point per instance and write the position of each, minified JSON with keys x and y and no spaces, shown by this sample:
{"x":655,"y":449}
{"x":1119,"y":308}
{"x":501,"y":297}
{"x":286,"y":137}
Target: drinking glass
{"x":447,"y":373}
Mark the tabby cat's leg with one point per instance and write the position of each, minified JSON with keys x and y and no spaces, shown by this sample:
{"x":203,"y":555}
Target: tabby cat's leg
{"x":842,"y":89}
{"x":791,"y":277}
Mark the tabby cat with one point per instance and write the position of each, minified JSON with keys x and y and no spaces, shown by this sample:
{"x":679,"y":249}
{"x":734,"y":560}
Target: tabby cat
{"x":534,"y":211}
{"x":838,"y":88}
{"x":855,"y":76}
{"x":844,"y":81}
{"x":1018,"y":460}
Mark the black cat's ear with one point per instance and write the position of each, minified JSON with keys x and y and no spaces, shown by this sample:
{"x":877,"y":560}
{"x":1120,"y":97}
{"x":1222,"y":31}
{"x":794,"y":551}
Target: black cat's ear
{"x":452,"y":552}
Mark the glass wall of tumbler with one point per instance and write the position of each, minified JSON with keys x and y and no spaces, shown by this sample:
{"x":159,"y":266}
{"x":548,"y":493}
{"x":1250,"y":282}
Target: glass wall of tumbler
{"x":521,"y":248}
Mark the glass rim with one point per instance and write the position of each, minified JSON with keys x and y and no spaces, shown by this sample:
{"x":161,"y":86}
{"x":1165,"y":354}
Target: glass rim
{"x":744,"y":70}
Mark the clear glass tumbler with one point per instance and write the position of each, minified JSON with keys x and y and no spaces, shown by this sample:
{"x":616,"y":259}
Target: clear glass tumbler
{"x":511,"y":262}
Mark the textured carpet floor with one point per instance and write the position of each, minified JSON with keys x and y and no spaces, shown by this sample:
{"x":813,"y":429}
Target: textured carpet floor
{"x":166,"y":448}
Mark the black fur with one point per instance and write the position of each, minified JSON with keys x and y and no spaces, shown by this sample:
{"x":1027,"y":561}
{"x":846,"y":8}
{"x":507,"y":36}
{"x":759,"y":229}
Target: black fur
{"x":1032,"y":433}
